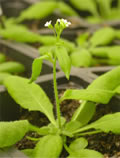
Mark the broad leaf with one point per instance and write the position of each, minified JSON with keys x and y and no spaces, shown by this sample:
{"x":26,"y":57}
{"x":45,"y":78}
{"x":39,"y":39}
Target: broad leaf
{"x":78,"y":144}
{"x":86,"y":153}
{"x":107,"y":81}
{"x":38,"y":10}
{"x":29,"y":96}
{"x":12,"y":132}
{"x":2,"y":58}
{"x":107,"y":123}
{"x":49,"y":146}
{"x":3,"y":75}
{"x":12,"y":67}
{"x":19,"y":34}
{"x":95,"y":95}
{"x":81,"y":58}
{"x":64,"y":60}
{"x":66,"y":9}
{"x":102,"y":36}
{"x":88,"y":5}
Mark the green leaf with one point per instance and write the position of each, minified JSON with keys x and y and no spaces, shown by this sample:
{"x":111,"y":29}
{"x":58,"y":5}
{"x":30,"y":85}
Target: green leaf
{"x":12,"y":67}
{"x":81,"y":58}
{"x":49,"y":146}
{"x":45,"y":130}
{"x":64,"y":60}
{"x":107,"y":81}
{"x":66,"y":9}
{"x":82,"y":39}
{"x":86,"y":153}
{"x":102,"y":36}
{"x":28,"y":152}
{"x":101,"y":52}
{"x":117,"y":34}
{"x":72,"y":126}
{"x":3,"y":75}
{"x":12,"y":132}
{"x":45,"y":49}
{"x":95,"y":95}
{"x":38,"y":10}
{"x":107,"y":123}
{"x":2,"y":58}
{"x":78,"y":144}
{"x":94,"y":20}
{"x":19,"y":34}
{"x":37,"y":67}
{"x":109,"y":55}
{"x":84,"y":113}
{"x":29,"y":96}
{"x":88,"y":5}
{"x":105,"y":7}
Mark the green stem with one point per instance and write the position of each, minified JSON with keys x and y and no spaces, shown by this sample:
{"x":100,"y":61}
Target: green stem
{"x":89,"y":133}
{"x":56,"y":94}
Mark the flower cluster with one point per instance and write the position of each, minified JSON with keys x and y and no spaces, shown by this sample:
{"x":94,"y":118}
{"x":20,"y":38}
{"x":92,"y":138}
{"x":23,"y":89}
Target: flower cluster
{"x":60,"y":21}
{"x":59,"y":26}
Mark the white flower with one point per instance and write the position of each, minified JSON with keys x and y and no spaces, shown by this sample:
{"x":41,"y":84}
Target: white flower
{"x":58,"y":20}
{"x":67,"y":23}
{"x":48,"y":23}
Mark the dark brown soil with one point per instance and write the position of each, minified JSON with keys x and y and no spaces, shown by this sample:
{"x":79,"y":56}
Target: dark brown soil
{"x":107,"y":144}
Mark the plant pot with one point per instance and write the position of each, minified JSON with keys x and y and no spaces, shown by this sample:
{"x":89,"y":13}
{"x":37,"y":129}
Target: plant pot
{"x":11,"y":153}
{"x":14,"y":7}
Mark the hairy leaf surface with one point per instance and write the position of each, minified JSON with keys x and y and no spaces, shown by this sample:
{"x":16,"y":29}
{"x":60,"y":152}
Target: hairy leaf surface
{"x":95,"y":95}
{"x":107,"y":123}
{"x":29,"y":96}
{"x":49,"y":146}
{"x":12,"y":132}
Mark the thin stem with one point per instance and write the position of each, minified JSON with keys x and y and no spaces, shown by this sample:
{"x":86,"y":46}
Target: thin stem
{"x":89,"y":133}
{"x":56,"y":94}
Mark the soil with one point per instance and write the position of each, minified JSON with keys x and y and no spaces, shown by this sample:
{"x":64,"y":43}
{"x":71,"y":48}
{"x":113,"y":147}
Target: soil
{"x":107,"y":144}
